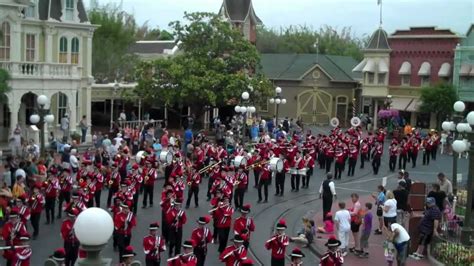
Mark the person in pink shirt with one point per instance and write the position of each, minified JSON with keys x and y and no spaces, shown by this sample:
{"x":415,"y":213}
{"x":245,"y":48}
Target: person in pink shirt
{"x":165,"y":140}
{"x":328,"y":227}
{"x":356,"y":220}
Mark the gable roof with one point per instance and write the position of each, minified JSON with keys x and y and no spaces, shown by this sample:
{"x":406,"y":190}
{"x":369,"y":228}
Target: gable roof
{"x":239,"y":10}
{"x":151,"y":47}
{"x":295,"y":66}
{"x":55,"y":10}
{"x":378,"y":41}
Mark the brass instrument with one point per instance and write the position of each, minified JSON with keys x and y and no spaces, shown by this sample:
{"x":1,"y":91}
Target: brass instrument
{"x":81,"y":180}
{"x":189,"y":183}
{"x":257,"y":164}
{"x":218,"y":206}
{"x":111,"y":182}
{"x":205,"y":169}
{"x":146,"y":178}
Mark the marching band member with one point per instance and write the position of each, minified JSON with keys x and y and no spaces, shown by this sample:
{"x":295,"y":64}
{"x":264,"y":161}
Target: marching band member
{"x":308,"y":160}
{"x":175,"y":219}
{"x":153,"y":245}
{"x":340,"y":157}
{"x":264,"y":182}
{"x":244,"y":225}
{"x":13,"y":228}
{"x":353,"y":154}
{"x":281,"y":176}
{"x":296,"y":257}
{"x":393,"y":153}
{"x":185,"y":259}
{"x":193,"y":181}
{"x":51,"y":187}
{"x":124,"y":222}
{"x":71,"y":243}
{"x":201,"y":236}
{"x":241,"y":180}
{"x":277,"y":244}
{"x":333,"y":256}
{"x":65,"y":182}
{"x":20,"y":256}
{"x":36,"y":201}
{"x":127,"y":256}
{"x":223,"y":215}
{"x":113,"y":181}
{"x":364,"y":153}
{"x":22,"y":209}
{"x":403,"y":154}
{"x":150,"y":176}
{"x":377,"y":155}
{"x":234,"y":254}
{"x":99,"y":184}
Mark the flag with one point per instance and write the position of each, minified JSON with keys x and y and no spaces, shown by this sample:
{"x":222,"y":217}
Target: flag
{"x":379,"y":2}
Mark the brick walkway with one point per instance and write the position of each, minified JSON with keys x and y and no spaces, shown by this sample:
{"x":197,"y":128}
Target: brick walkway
{"x":376,"y":252}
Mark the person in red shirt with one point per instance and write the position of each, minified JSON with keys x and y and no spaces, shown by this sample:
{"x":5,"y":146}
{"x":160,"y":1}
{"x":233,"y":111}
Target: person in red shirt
{"x":99,"y":184}
{"x":150,"y":175}
{"x":201,"y":236}
{"x":153,"y":245}
{"x":193,"y":181}
{"x":185,"y":259}
{"x":124,"y":222}
{"x":393,"y":153}
{"x":22,"y":209}
{"x":65,"y":182}
{"x":309,"y":165}
{"x":127,"y":257}
{"x":353,"y":154}
{"x":264,"y":182}
{"x":36,"y":202}
{"x":297,"y":257}
{"x":281,"y":176}
{"x":427,"y":146}
{"x":277,"y":244}
{"x":20,"y":256}
{"x":364,"y":153}
{"x":403,"y":154}
{"x":333,"y":257}
{"x":241,"y":180}
{"x":340,"y":162}
{"x":414,"y":148}
{"x":175,"y":219}
{"x":234,"y":254}
{"x":329,"y":156}
{"x":223,"y":216}
{"x":113,"y":182}
{"x":58,"y":257}
{"x":51,"y":189}
{"x":71,"y":243}
{"x":244,"y":225}
{"x":377,"y":155}
{"x":297,"y":164}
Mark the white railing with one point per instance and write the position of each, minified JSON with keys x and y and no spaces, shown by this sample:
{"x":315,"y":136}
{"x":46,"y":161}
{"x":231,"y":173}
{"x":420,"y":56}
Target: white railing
{"x":41,"y":70}
{"x":137,"y":123}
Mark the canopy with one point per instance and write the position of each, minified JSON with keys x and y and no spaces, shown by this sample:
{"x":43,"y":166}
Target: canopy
{"x":405,"y":69}
{"x":445,"y":70}
{"x":425,"y":69}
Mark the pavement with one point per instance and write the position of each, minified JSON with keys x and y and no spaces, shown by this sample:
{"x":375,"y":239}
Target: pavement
{"x":292,"y":207}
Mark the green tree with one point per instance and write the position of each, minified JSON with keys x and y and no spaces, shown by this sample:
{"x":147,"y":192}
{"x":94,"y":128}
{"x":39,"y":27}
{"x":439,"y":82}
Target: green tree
{"x":303,"y":39}
{"x":212,"y":67}
{"x":4,"y":88}
{"x":438,"y":99}
{"x":110,"y":57}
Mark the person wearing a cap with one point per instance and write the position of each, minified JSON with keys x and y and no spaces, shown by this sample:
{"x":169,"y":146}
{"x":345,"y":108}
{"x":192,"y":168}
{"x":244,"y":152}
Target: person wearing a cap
{"x":393,"y":153}
{"x":99,"y":184}
{"x":175,"y":219}
{"x":187,"y":258}
{"x":242,"y":181}
{"x":201,"y":236}
{"x":65,"y":182}
{"x":428,"y":227}
{"x":223,"y":215}
{"x":51,"y":190}
{"x":153,"y":245}
{"x":59,"y":257}
{"x":71,"y":243}
{"x":20,"y":255}
{"x":13,"y":229}
{"x":113,"y":180}
{"x":244,"y":224}
{"x":124,"y":222}
{"x":193,"y":180}
{"x":126,"y":258}
{"x":22,"y":209}
{"x":37,"y":202}
{"x":234,"y":253}
{"x":297,"y":257}
{"x":149,"y":177}
{"x":278,"y":243}
{"x":333,"y":256}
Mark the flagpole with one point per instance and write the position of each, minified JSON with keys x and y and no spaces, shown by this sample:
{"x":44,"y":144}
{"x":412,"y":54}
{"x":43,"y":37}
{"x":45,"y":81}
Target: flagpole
{"x":380,"y":4}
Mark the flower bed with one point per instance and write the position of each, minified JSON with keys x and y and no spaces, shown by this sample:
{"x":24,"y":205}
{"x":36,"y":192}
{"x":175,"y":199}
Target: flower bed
{"x":450,"y":253}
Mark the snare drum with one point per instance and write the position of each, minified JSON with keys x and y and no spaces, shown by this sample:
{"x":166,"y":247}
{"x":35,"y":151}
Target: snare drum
{"x":276,"y":165}
{"x":166,"y":157}
{"x":140,"y":155}
{"x":240,"y":161}
{"x":302,"y":171}
{"x":293,"y":171}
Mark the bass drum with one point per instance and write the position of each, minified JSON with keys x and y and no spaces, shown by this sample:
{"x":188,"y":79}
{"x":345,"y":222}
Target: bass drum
{"x":276,"y":165}
{"x":140,"y":155}
{"x":302,"y":171}
{"x":240,"y":161}
{"x":166,"y":157}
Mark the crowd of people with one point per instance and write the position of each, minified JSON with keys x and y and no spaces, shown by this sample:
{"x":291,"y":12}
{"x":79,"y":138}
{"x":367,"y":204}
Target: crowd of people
{"x":76,"y":181}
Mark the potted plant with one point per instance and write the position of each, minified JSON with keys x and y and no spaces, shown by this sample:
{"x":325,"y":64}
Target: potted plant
{"x":76,"y":136}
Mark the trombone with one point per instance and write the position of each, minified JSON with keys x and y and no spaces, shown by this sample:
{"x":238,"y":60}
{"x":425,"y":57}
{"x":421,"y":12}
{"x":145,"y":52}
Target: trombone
{"x":209,"y":167}
{"x":260,"y":163}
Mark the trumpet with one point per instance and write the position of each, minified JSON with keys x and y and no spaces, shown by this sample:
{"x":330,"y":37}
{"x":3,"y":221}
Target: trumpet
{"x":257,"y":164}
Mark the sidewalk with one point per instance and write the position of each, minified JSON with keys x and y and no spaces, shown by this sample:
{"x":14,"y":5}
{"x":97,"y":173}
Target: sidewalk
{"x":376,"y":251}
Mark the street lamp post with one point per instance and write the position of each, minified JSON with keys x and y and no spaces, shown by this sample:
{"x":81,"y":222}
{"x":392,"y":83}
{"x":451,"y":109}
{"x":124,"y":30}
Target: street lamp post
{"x":41,"y":117}
{"x":277,"y":100}
{"x":93,"y":228}
{"x":244,"y":109}
{"x":459,"y":146}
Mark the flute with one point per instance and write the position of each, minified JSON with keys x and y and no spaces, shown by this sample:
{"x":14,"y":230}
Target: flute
{"x":10,"y":247}
{"x":216,"y":208}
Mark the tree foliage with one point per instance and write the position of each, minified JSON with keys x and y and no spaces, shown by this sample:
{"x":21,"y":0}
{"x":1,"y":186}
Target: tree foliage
{"x":438,"y":99}
{"x":303,"y":39}
{"x":212,"y":67}
{"x":4,"y":88}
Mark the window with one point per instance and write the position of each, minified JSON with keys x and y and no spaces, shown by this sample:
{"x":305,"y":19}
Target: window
{"x":69,"y":9}
{"x":263,"y":106}
{"x":5,"y":42}
{"x":62,"y":105}
{"x":341,"y":108}
{"x":370,"y":78}
{"x":406,"y":80}
{"x":30,"y":47}
{"x":381,"y":78}
{"x":75,"y":51}
{"x":63,"y":50}
{"x":425,"y":81}
{"x":30,"y":10}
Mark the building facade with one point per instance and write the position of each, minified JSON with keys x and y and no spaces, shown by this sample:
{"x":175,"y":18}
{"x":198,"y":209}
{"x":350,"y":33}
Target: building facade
{"x":316,"y":87}
{"x":47,"y":49}
{"x":463,"y":75}
{"x":242,"y":16}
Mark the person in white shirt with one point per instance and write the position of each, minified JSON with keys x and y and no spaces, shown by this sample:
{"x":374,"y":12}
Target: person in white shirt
{"x":73,"y":161}
{"x":327,"y":191}
{"x":342,"y":220}
{"x":65,"y":125}
{"x":390,"y":209}
{"x":400,"y":238}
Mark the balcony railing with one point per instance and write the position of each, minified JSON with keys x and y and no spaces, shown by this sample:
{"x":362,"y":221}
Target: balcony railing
{"x":41,"y":70}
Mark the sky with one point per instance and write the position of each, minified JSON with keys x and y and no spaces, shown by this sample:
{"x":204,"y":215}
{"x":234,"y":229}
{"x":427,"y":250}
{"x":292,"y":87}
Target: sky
{"x":361,"y":15}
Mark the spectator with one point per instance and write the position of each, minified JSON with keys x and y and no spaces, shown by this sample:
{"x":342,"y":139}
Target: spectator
{"x":19,"y":187}
{"x":164,"y":140}
{"x":342,"y":220}
{"x":379,"y":197}
{"x":443,"y":140}
{"x":428,"y":227}
{"x":327,"y":192}
{"x":408,"y":181}
{"x":366,"y":230}
{"x":401,"y":196}
{"x":389,"y":209}
{"x":356,"y":220}
{"x":328,"y":224}
{"x":438,"y":195}
{"x":65,"y":126}
{"x":83,"y":126}
{"x":445,"y":185}
{"x":400,"y":238}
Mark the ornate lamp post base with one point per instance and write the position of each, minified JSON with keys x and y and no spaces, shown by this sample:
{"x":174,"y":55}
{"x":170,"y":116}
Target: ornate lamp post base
{"x":93,"y":257}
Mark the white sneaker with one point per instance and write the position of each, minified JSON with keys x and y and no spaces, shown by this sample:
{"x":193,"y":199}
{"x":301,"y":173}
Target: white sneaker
{"x":344,"y":253}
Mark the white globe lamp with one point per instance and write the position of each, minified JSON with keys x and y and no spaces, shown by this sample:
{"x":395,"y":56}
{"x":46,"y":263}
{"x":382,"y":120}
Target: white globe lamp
{"x":452,"y":126}
{"x":278,"y":90}
{"x":470,"y":118}
{"x":283,"y":101}
{"x":272,"y":101}
{"x":34,"y":119}
{"x":461,"y":127}
{"x":245,"y":95}
{"x":459,"y":106}
{"x":49,"y":118}
{"x":446,"y":125}
{"x":459,"y":146}
{"x":94,"y":227}
{"x":237,"y":109}
{"x":277,"y":101}
{"x":243,"y":109}
{"x":252,"y":109}
{"x":42,"y":100}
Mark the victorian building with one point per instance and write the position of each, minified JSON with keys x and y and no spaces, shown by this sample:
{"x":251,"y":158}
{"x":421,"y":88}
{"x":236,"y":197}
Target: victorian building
{"x":46,"y":47}
{"x":463,"y":76}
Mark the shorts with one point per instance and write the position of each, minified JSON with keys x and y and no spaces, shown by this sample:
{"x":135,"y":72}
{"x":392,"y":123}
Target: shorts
{"x":425,"y":239}
{"x":389,"y":220}
{"x":364,"y":240}
{"x":355,"y":227}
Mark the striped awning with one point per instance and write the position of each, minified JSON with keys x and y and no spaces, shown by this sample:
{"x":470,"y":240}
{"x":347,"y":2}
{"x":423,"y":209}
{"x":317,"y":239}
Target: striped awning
{"x":465,"y":69}
{"x":360,"y":66}
{"x":370,"y":66}
{"x":383,"y":67}
{"x":405,"y":69}
{"x":414,"y":105}
{"x":425,"y":69}
{"x":400,"y":103}
{"x":445,"y":70}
